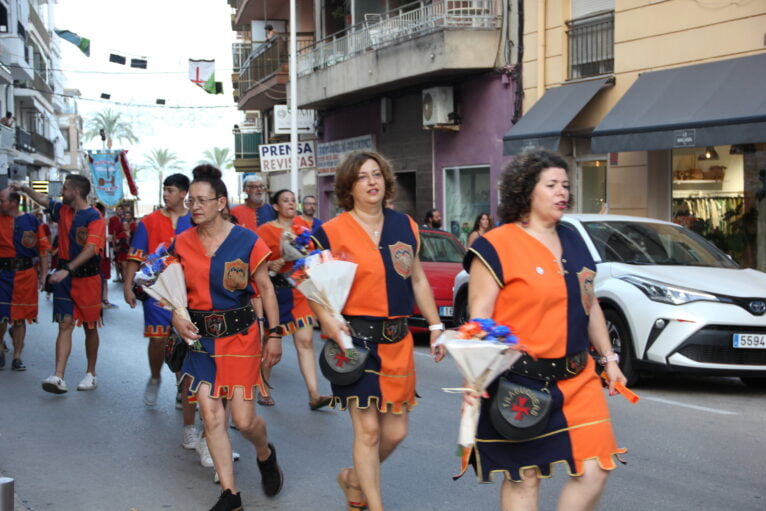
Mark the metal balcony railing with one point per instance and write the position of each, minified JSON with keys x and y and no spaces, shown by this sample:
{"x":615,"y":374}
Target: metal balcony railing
{"x":267,"y":59}
{"x":246,"y":145}
{"x":591,"y":45}
{"x":42,"y":145}
{"x":37,"y":22}
{"x":408,"y":21}
{"x":23,"y":140}
{"x":7,"y":137}
{"x":239,"y":53}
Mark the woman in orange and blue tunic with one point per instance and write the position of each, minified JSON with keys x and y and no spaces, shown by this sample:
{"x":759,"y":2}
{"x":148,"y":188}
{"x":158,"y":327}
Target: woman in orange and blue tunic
{"x":295,"y":316}
{"x":536,"y":276}
{"x":223,"y":264}
{"x":389,"y":281}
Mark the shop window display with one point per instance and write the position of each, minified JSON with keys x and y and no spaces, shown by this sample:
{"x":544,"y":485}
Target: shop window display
{"x":466,"y":196}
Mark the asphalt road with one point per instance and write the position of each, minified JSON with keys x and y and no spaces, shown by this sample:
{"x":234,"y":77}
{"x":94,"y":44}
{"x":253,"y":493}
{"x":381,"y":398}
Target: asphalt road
{"x":694,"y":443}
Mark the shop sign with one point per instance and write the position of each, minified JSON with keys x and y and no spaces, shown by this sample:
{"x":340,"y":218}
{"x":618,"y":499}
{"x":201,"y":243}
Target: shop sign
{"x":275,"y":157}
{"x":330,"y":154}
{"x":306,"y":119}
{"x":684,"y":138}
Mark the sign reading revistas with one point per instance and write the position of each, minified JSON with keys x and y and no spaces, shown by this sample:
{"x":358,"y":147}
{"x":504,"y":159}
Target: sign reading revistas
{"x":275,"y":157}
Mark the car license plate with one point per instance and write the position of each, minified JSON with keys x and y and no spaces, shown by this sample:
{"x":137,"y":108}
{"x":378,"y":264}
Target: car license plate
{"x":446,"y":312}
{"x":750,"y":341}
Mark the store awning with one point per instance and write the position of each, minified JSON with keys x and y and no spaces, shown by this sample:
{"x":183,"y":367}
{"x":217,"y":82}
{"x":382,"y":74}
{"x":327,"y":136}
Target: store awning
{"x":546,"y":121}
{"x":717,"y":103}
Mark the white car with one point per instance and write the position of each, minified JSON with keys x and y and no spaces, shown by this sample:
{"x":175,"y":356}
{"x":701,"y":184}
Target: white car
{"x":672,"y":300}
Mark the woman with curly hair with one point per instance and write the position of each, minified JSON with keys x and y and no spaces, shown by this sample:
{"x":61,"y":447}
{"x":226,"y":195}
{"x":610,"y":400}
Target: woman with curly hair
{"x":536,"y":276}
{"x":389,"y":281}
{"x":482,"y":224}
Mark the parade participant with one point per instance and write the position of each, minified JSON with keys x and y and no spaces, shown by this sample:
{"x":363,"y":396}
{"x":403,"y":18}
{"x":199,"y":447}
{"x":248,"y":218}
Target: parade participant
{"x":256,"y":210}
{"x":295,"y":316}
{"x":536,"y":276}
{"x":308,"y":210}
{"x":389,"y":281}
{"x":222,"y":264}
{"x":114,"y":228}
{"x":160,"y":227}
{"x":77,"y":283}
{"x":22,"y":239}
{"x":106,"y":270}
{"x":433,"y":219}
{"x":482,"y":224}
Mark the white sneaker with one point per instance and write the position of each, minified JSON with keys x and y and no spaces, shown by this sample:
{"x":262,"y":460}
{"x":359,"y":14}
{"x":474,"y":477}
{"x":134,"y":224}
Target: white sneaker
{"x":190,"y":437}
{"x":150,"y":393}
{"x":54,"y":385}
{"x":88,"y":382}
{"x":204,"y":453}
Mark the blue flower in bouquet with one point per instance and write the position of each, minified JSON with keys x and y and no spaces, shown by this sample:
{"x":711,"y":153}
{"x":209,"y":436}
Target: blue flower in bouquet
{"x":488,"y":330}
{"x":300,"y":263}
{"x":315,"y":252}
{"x":486,"y":323}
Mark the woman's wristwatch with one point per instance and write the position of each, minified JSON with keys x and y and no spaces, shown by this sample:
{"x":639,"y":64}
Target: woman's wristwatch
{"x":437,"y":326}
{"x":611,"y":357}
{"x":275,"y":332}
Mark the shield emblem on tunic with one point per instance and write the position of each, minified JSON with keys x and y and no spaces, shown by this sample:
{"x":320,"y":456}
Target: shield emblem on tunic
{"x":235,"y":275}
{"x":215,"y":324}
{"x":81,"y":235}
{"x":402,"y":257}
{"x":586,"y":278}
{"x":28,"y":239}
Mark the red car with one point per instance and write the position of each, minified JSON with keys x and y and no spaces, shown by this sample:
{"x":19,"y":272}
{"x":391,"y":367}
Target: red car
{"x":441,"y":255}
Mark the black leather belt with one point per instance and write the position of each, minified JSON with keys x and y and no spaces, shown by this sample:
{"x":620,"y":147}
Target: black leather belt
{"x":89,"y":268}
{"x":223,"y":323}
{"x":550,"y":369}
{"x":385,"y":331}
{"x":279,"y":281}
{"x":16,"y":263}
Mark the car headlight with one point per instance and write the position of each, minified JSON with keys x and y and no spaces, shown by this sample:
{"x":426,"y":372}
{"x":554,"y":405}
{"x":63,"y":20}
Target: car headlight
{"x":665,"y":293}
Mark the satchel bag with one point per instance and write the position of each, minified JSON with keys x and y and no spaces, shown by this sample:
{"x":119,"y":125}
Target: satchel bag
{"x":342,"y":367}
{"x":175,"y":352}
{"x":518,"y":412}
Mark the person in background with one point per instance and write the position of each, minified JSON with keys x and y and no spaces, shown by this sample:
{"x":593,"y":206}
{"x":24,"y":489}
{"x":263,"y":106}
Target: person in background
{"x":388,"y":283}
{"x":295,"y":316}
{"x":433,"y":219}
{"x":308,"y":210}
{"x":270,"y":32}
{"x":225,"y":362}
{"x":105,"y":269}
{"x":22,"y":240}
{"x":482,"y":224}
{"x":256,"y":210}
{"x":114,"y":227}
{"x":8,"y":119}
{"x":536,"y":276}
{"x":77,"y":282}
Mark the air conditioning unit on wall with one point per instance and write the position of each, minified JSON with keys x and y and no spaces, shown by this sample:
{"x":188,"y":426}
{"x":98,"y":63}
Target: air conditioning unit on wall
{"x":437,"y":106}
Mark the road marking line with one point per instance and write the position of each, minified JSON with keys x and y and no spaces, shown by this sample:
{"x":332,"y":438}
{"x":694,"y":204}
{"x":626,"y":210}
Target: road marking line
{"x":685,"y":405}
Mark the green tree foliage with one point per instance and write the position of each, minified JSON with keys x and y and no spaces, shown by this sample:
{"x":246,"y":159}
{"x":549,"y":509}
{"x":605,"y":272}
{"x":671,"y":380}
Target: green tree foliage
{"x":114,"y":128}
{"x":162,"y":161}
{"x":219,"y":157}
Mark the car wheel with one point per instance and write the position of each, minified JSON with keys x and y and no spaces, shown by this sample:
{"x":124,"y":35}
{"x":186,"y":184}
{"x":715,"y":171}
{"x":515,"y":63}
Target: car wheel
{"x":619,"y":336}
{"x":754,"y":382}
{"x":460,"y":313}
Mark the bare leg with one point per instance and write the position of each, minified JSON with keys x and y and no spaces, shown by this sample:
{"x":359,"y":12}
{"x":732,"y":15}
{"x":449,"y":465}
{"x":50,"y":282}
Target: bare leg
{"x":214,"y":423}
{"x":306,"y":361}
{"x":521,"y":496}
{"x":18,"y":332}
{"x":63,"y":344}
{"x":250,"y":425}
{"x":366,"y":453}
{"x":156,"y":352}
{"x":189,"y":409}
{"x":582,"y":493}
{"x":91,"y":348}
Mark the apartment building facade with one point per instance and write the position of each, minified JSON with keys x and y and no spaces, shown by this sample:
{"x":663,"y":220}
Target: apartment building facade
{"x":659,"y":108}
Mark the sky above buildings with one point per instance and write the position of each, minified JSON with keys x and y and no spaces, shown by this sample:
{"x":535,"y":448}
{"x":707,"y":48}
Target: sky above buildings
{"x":166,"y":33}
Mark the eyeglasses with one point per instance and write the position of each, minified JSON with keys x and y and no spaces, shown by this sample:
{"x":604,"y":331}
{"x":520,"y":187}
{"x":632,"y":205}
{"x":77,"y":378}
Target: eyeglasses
{"x":191,"y":202}
{"x":256,"y":187}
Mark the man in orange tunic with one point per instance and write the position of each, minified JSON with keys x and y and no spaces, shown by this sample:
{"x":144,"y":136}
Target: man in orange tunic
{"x":256,"y":210}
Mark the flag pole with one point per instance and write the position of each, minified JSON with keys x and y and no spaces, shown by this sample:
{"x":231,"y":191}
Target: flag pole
{"x":293,"y":103}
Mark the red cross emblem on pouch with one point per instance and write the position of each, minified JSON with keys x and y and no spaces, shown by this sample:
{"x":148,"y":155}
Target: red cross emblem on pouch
{"x":341,"y":359}
{"x":521,"y":406}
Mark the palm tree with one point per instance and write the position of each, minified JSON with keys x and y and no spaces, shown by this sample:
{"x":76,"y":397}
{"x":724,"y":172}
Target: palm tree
{"x":161,"y":160}
{"x":114,"y":128}
{"x":219,"y":157}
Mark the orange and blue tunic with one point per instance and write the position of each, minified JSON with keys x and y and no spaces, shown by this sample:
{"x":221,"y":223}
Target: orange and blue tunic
{"x":252,"y":219}
{"x":153,"y":229}
{"x":22,"y":236}
{"x":78,"y":297}
{"x":218,"y":283}
{"x":294,"y":310}
{"x":313,"y":227}
{"x":382,"y":289}
{"x":549,"y":312}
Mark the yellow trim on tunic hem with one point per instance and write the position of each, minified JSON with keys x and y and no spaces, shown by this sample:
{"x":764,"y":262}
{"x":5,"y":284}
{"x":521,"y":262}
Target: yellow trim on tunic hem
{"x":405,"y":406}
{"x":256,"y":387}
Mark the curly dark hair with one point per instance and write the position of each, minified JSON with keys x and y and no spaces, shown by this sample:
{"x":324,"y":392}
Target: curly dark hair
{"x":346,"y":176}
{"x":519,"y":180}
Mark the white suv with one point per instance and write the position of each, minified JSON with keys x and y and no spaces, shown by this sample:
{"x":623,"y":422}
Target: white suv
{"x":672,"y":300}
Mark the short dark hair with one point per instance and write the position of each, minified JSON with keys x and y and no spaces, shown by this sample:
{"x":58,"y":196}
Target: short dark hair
{"x":275,"y":197}
{"x":268,"y":27}
{"x":101,"y":208}
{"x":346,"y":175}
{"x":308,"y":197}
{"x":180,"y":181}
{"x":207,"y":173}
{"x":8,"y":114}
{"x":14,"y":197}
{"x":429,"y":215}
{"x":79,"y":183}
{"x":519,"y":180}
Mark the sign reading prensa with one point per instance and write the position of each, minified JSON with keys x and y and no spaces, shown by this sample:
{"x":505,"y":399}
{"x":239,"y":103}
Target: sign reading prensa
{"x":276,"y":157}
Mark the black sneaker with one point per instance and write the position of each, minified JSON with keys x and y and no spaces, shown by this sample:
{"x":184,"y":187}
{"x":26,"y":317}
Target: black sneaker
{"x":228,"y":502}
{"x":18,"y":365}
{"x":271,"y":475}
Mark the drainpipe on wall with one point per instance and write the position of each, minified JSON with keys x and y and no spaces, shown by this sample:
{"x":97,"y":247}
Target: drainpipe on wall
{"x":541,"y":14}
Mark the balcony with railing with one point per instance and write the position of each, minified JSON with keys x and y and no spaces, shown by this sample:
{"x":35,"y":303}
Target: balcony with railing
{"x":39,"y":26}
{"x":591,"y":45}
{"x":413,"y":43}
{"x":24,"y":140}
{"x":264,"y":72}
{"x":7,"y":138}
{"x":246,"y":156}
{"x":42,"y":145}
